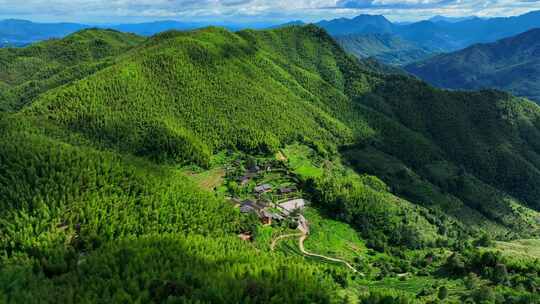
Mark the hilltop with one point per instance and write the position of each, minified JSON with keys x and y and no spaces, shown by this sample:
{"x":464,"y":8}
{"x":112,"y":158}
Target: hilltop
{"x":361,"y":24}
{"x":100,"y":175}
{"x":510,"y":64}
{"x":27,"y":72}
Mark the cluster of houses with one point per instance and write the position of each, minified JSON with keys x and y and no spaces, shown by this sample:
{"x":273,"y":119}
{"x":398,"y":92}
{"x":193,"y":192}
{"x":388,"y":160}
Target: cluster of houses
{"x":268,"y":213}
{"x":252,"y":173}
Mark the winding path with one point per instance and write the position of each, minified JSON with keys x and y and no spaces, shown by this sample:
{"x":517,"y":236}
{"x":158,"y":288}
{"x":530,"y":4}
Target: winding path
{"x":279,"y":238}
{"x":303,"y":250}
{"x":303,"y":235}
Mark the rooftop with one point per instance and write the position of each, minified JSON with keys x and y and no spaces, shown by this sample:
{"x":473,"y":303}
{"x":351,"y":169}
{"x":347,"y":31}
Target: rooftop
{"x":263,"y":188}
{"x":292,"y":205}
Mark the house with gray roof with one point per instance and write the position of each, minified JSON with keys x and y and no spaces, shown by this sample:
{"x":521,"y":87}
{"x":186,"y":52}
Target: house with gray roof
{"x":263,"y":188}
{"x":292,"y":205}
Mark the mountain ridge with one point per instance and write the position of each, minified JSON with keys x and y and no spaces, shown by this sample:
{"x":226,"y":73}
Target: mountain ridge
{"x":438,"y":37}
{"x":508,"y":64}
{"x":338,"y":127}
{"x":387,"y":48}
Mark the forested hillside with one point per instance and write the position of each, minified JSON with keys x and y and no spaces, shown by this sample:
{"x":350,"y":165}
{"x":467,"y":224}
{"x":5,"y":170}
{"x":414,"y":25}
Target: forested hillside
{"x":27,"y":72}
{"x":510,"y":64}
{"x":98,"y":207}
{"x":387,"y":48}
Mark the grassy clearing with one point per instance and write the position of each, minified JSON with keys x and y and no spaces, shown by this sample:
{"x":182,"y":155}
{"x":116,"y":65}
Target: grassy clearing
{"x":209,"y":179}
{"x":332,"y":238}
{"x":300,"y":162}
{"x":520,"y":248}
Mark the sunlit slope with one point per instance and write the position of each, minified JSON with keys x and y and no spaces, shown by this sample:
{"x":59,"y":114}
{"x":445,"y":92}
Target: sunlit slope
{"x":30,"y":71}
{"x":180,"y":97}
{"x":208,"y":90}
{"x":96,"y":205}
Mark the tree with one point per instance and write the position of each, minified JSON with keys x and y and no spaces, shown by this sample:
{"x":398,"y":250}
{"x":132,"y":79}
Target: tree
{"x":471,"y":281}
{"x":251,"y":163}
{"x":443,"y":293}
{"x":500,"y":274}
{"x":484,"y":241}
{"x":455,"y":264}
{"x":484,"y":295}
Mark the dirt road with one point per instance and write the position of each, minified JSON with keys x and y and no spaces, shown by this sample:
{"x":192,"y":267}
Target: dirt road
{"x":303,"y":235}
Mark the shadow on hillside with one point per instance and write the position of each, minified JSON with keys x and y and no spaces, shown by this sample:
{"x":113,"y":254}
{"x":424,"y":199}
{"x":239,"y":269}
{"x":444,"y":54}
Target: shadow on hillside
{"x":165,"y":268}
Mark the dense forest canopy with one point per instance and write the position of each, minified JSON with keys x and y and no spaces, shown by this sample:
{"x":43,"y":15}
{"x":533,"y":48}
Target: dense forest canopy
{"x":96,"y":128}
{"x":509,"y":64}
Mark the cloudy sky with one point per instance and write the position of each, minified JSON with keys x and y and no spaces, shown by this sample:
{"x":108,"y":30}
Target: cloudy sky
{"x":110,"y":11}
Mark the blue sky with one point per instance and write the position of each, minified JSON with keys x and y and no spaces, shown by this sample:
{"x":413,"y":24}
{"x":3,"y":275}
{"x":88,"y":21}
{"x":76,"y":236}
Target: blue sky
{"x":113,"y":11}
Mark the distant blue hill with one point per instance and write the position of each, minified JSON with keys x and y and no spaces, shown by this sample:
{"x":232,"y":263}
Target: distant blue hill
{"x":450,"y":19}
{"x":362,"y":24}
{"x":17,"y":33}
{"x":386,"y":48}
{"x":440,"y":34}
{"x":152,"y":28}
{"x":21,"y":32}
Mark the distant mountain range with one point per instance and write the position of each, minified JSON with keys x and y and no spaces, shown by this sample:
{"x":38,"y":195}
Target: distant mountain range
{"x":5,"y":44}
{"x":362,"y":24}
{"x":152,"y":28}
{"x":291,"y":23}
{"x":365,"y":35}
{"x":387,"y":48}
{"x":439,"y":18}
{"x":437,"y":34}
{"x":512,"y":64}
{"x":17,"y":33}
{"x":399,"y":43}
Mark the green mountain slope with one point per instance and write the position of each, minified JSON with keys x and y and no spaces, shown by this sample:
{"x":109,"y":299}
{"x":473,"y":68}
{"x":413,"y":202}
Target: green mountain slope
{"x":387,"y":48}
{"x":166,"y":90}
{"x":65,"y":208}
{"x":93,"y":183}
{"x":511,"y":64}
{"x":29,"y":71}
{"x":185,"y":96}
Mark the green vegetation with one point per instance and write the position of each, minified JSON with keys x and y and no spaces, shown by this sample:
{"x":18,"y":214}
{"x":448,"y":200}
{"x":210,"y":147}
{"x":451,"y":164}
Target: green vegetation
{"x":369,"y":210}
{"x":333,"y":238}
{"x":387,"y":48}
{"x":25,"y":73}
{"x":526,"y":249}
{"x":510,"y":64}
{"x":299,"y":158}
{"x":171,"y":269}
{"x":115,"y":183}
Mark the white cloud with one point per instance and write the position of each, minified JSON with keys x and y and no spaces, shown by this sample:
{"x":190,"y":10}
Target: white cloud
{"x":309,"y":10}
